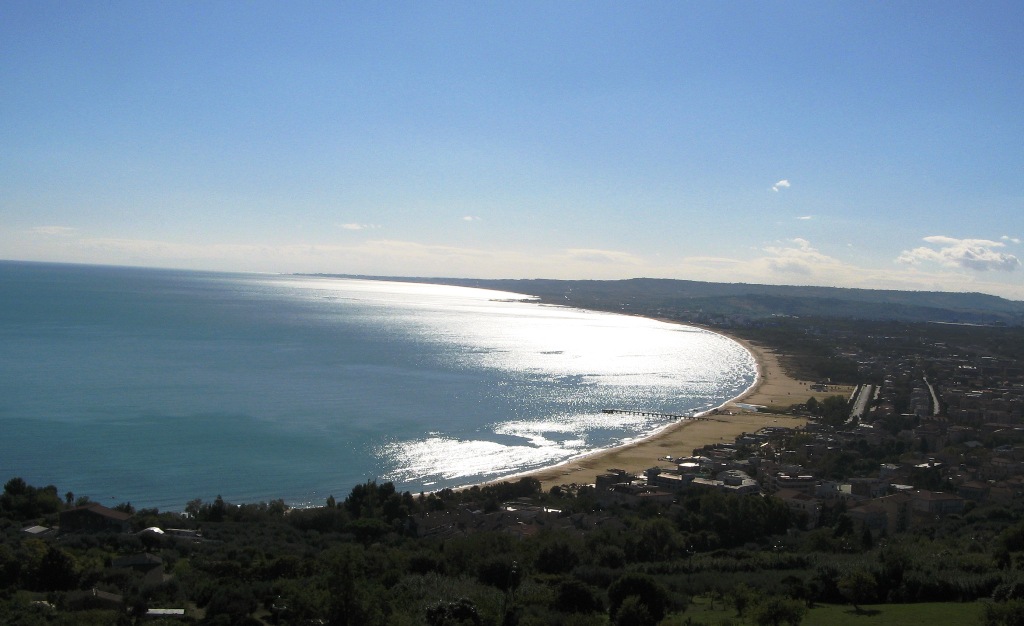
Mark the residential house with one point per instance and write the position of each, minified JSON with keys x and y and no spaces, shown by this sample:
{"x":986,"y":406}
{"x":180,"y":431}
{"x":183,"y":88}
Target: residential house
{"x":93,"y":518}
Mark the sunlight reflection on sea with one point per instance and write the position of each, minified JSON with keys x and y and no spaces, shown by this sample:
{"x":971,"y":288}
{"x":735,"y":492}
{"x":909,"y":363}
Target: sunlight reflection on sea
{"x":160,"y":386}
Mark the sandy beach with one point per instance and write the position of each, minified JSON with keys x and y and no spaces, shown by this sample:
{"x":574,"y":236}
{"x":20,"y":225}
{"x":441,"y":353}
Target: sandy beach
{"x":773,"y":389}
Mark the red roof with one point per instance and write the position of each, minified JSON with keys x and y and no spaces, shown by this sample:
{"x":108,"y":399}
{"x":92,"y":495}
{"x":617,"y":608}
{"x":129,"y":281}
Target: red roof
{"x":99,"y":509}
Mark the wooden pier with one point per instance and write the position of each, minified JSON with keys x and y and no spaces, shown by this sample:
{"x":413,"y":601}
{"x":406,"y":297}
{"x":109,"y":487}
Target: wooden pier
{"x":645,"y":413}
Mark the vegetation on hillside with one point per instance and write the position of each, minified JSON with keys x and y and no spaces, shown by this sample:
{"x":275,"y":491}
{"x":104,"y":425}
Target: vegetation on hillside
{"x":383,"y":557}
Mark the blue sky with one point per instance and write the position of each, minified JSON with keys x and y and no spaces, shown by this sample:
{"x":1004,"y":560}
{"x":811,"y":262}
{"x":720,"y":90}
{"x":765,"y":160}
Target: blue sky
{"x":826,"y":143}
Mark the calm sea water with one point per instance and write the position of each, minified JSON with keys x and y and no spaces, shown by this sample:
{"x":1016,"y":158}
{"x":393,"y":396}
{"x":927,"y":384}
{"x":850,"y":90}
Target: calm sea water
{"x":157,"y":386}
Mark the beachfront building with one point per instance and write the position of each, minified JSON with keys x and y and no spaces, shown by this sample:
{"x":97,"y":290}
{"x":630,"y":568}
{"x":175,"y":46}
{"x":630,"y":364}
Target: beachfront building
{"x":635,"y":495}
{"x":729,"y":481}
{"x":604,"y":482}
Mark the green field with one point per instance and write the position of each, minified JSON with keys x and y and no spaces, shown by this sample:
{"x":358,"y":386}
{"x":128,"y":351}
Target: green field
{"x":923,"y":614}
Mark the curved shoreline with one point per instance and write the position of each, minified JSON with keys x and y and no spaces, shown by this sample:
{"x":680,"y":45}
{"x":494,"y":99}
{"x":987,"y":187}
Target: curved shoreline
{"x":771,"y":388}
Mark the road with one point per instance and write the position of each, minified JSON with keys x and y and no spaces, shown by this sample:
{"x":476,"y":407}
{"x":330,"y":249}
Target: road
{"x":860,"y":403}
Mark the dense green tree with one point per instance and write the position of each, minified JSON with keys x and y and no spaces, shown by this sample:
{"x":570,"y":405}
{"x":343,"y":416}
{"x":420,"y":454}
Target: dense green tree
{"x":353,"y":597}
{"x":858,"y":586}
{"x":741,"y":597}
{"x":657,"y":540}
{"x":501,"y":572}
{"x":834,"y":410}
{"x":57,"y":571}
{"x":1004,"y":614}
{"x":648,"y":592}
{"x":777,"y":610}
{"x":461,"y":612}
{"x":24,"y":502}
{"x":217,"y":511}
{"x":557,"y":556}
{"x":575,"y":596}
{"x":16,"y":487}
{"x":193,"y":507}
{"x":634,"y":612}
{"x":231,"y":604}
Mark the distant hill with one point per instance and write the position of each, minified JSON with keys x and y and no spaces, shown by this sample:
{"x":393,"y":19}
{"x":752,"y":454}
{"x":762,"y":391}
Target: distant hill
{"x":694,"y":299}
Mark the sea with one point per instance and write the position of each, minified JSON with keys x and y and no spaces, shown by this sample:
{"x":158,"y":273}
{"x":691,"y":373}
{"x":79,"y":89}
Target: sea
{"x":157,"y":387}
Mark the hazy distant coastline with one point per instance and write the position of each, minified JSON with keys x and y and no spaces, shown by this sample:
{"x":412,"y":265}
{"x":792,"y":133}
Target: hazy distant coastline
{"x":661,"y":297}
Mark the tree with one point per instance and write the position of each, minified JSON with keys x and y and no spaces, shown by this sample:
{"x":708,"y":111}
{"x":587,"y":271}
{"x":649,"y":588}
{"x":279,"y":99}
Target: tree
{"x":16,"y":487}
{"x":646,"y":589}
{"x":776,"y":610}
{"x":866,"y":540}
{"x":23,"y":501}
{"x":194,"y":507}
{"x":460,"y":612}
{"x":657,"y":540}
{"x":57,"y":571}
{"x":218,"y":510}
{"x":1004,"y":613}
{"x":501,"y":572}
{"x":858,"y":586}
{"x":575,"y":596}
{"x":834,"y":410}
{"x":742,"y":597}
{"x":557,"y":557}
{"x":352,"y":601}
{"x":633,"y":612}
{"x":233,"y":602}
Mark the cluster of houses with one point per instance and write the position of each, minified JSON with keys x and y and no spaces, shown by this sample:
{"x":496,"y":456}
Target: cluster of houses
{"x":882,"y":503}
{"x":93,"y":518}
{"x":963,"y":442}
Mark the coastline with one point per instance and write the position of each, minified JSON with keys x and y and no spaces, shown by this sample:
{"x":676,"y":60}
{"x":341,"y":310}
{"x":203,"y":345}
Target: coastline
{"x":772,"y":388}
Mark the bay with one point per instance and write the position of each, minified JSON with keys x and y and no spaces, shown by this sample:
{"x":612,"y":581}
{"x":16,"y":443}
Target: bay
{"x":159,"y":386}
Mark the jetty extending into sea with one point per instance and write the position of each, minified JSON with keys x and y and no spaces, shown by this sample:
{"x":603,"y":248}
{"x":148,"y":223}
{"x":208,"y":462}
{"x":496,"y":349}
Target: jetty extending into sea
{"x":646,"y":413}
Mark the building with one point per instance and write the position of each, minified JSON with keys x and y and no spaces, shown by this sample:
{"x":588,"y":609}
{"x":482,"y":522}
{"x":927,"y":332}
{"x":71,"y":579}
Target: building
{"x":869,"y":487}
{"x":603,"y":482}
{"x":801,"y":504}
{"x":668,"y":481}
{"x":94,"y":518}
{"x":802,"y":482}
{"x":634,"y":495}
{"x":936,"y":502}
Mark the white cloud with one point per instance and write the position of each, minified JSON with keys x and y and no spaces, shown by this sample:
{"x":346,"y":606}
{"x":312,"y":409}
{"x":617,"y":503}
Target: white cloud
{"x":782,"y":184}
{"x":974,"y":254}
{"x":702,"y":264}
{"x":470,"y":218}
{"x":354,"y":226}
{"x":53,"y":231}
{"x":1010,"y":239}
{"x":798,"y":256}
{"x":806,"y":217}
{"x":591,"y":255}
